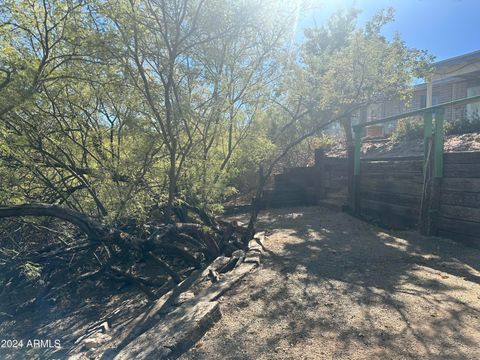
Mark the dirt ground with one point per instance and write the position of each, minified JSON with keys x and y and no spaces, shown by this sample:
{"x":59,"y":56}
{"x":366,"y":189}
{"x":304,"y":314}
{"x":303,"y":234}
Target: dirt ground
{"x":334,"y":287}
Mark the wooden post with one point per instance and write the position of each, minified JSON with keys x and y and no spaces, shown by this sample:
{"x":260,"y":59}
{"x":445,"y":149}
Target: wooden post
{"x":427,"y":134}
{"x":433,"y":171}
{"x":438,"y":150}
{"x":424,"y":220}
{"x":429,"y":99}
{"x":356,"y":169}
{"x":436,"y":183}
{"x":322,"y":176}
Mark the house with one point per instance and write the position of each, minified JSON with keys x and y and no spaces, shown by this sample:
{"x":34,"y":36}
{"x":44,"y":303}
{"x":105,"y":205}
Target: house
{"x":452,"y":79}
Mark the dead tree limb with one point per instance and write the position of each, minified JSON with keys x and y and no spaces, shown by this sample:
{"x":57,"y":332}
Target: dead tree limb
{"x":92,"y":228}
{"x":174,"y":275}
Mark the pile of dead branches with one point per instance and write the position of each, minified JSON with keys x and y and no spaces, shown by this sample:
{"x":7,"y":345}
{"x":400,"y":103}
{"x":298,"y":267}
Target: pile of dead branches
{"x":67,"y":248}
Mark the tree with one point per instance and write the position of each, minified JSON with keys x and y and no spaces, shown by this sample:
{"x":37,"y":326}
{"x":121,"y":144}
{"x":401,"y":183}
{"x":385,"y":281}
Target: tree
{"x":201,"y":68}
{"x":65,"y":127}
{"x":153,"y":101}
{"x":351,"y":67}
{"x":342,"y":69}
{"x":38,"y":38}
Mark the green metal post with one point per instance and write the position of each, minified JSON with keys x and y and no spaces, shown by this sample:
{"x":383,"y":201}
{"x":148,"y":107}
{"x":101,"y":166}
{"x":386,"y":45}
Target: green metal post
{"x":438,"y":143}
{"x":356,"y":154}
{"x":427,"y":134}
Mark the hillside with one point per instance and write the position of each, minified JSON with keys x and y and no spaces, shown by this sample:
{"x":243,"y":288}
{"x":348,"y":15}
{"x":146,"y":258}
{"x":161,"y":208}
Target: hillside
{"x":388,"y":148}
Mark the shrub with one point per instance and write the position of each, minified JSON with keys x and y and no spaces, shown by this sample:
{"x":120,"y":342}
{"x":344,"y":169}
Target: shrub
{"x":327,"y":142}
{"x":408,"y":129}
{"x":463,"y":125}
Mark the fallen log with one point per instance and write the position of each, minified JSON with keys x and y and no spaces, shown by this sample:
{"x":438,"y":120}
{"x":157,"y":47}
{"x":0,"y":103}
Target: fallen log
{"x":176,"y":333}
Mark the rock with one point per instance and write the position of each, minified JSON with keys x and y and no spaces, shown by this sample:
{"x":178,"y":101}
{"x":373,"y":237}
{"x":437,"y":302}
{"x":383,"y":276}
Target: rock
{"x":213,"y":275}
{"x":78,"y":356}
{"x":253,"y":258}
{"x":238,"y":254}
{"x":183,"y":297}
{"x":105,"y":327}
{"x":96,"y":340}
{"x":254,"y":245}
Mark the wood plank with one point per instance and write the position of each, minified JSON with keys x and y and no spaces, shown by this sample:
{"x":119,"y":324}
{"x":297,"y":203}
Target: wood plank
{"x":469,"y":228}
{"x":336,"y":168}
{"x":387,"y":207}
{"x":466,"y":157}
{"x":336,"y":174}
{"x":460,"y":198}
{"x":179,"y":330}
{"x":396,"y":222}
{"x":388,"y":214}
{"x":342,"y":161}
{"x":391,"y":186}
{"x":460,"y":212}
{"x":462,"y":170}
{"x":393,"y":176}
{"x":302,"y":171}
{"x":470,"y":185}
{"x":335,"y":164}
{"x":393,"y":166}
{"x":392,"y":198}
{"x":335,"y":160}
{"x":183,"y":326}
{"x":461,"y":238}
{"x":218,"y":289}
{"x":393,"y":158}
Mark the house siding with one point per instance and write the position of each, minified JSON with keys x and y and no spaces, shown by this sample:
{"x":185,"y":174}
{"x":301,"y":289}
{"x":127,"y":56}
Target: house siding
{"x":444,"y":92}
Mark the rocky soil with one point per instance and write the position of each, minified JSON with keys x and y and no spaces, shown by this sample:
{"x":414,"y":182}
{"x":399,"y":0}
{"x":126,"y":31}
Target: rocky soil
{"x":387,"y":148}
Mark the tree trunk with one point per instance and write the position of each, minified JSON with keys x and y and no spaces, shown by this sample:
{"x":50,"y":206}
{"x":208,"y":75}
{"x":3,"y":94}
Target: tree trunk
{"x":256,"y":203}
{"x":172,"y":186}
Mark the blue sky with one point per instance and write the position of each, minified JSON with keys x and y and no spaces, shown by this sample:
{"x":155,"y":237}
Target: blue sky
{"x":446,"y":28}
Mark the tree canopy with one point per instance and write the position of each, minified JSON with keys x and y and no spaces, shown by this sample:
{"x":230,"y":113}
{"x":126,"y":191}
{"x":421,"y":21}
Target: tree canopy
{"x":111,"y":107}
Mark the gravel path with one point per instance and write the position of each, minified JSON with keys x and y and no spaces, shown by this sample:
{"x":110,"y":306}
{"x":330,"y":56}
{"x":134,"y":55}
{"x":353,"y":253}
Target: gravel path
{"x":333,"y":287}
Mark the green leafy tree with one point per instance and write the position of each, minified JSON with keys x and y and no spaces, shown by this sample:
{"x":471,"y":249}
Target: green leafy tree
{"x":342,"y":69}
{"x":349,"y":68}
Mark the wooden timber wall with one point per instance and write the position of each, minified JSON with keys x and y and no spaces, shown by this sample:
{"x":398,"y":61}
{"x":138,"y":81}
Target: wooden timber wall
{"x":335,"y":174}
{"x":390,"y":191}
{"x":308,"y":185}
{"x":459,"y":215}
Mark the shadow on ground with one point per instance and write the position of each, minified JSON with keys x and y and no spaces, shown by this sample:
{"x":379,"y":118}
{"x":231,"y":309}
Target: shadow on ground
{"x":332,"y":286}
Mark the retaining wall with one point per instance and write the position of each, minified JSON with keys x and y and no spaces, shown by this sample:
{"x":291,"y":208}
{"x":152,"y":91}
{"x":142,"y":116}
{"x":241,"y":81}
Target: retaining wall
{"x":390,"y":191}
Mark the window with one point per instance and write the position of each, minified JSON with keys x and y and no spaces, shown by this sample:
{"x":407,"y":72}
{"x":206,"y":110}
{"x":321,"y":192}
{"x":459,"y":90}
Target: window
{"x":374,"y":112}
{"x":474,"y":108}
{"x":423,"y":100}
